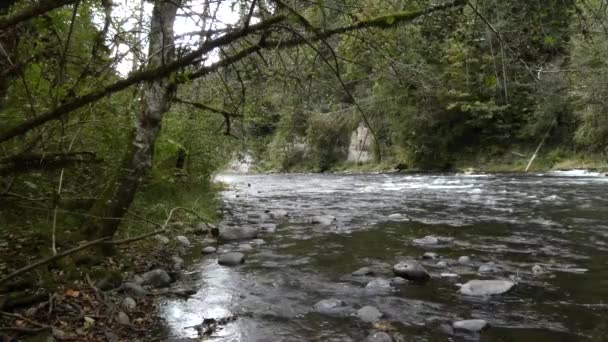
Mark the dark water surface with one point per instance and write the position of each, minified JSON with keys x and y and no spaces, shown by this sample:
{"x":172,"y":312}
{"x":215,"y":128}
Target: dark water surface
{"x":557,"y":221}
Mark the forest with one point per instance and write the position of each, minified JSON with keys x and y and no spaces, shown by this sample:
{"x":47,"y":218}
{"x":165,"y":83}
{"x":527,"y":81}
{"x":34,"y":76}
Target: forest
{"x":116,"y":116}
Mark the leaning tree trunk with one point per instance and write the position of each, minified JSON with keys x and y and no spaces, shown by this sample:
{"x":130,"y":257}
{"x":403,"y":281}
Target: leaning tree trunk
{"x":157,"y":95}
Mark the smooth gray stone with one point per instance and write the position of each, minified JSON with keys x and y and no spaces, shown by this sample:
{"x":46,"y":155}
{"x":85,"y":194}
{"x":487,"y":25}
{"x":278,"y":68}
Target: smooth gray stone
{"x":231,"y":259}
{"x":411,"y":270}
{"x":471,"y":325}
{"x":369,"y":314}
{"x":157,"y":278}
{"x":486,"y":287}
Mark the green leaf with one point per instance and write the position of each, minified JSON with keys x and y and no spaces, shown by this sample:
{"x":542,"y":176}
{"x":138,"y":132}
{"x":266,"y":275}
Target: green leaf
{"x":549,"y":40}
{"x":390,"y":20}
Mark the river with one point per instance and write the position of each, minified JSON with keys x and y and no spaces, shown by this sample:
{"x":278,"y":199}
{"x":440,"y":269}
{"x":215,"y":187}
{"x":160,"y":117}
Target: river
{"x":506,"y":223}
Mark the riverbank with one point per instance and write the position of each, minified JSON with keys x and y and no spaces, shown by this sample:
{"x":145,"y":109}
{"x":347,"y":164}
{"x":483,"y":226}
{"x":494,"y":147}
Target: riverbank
{"x":509,"y":163}
{"x":85,"y":297}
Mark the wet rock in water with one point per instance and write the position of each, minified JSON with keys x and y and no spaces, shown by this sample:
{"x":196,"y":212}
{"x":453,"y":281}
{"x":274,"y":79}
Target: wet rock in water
{"x":486,"y":287}
{"x":378,"y":284}
{"x":245,"y":247}
{"x":411,"y":270}
{"x":379,"y":336}
{"x":278,"y":213}
{"x":323,"y":220}
{"x":448,"y":275}
{"x":429,"y":255}
{"x":440,"y":325}
{"x":364,"y":271}
{"x":398,"y":281}
{"x":332,"y":306}
{"x":123,"y":318}
{"x":396,"y":216}
{"x":442,"y":264}
{"x":268,"y":227}
{"x":369,"y":314}
{"x":427,"y":240}
{"x":228,"y":233}
{"x":471,"y":325}
{"x":464,"y":260}
{"x":157,"y":278}
{"x":178,"y":263}
{"x":183,"y":240}
{"x":537,"y":270}
{"x":134,"y":290}
{"x":489,"y":267}
{"x":162,"y":239}
{"x":257,"y":242}
{"x":129,"y":303}
{"x":231,"y":259}
{"x":209,"y":250}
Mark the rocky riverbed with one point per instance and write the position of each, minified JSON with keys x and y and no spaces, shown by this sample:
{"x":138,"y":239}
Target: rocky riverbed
{"x":395,"y":258}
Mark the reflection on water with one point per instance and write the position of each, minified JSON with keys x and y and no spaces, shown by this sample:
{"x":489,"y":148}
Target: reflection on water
{"x":506,"y":223}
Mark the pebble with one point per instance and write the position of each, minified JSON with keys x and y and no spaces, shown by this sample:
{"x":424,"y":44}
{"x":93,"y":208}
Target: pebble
{"x":379,"y":336}
{"x":183,"y":241}
{"x":429,"y":255}
{"x":123,"y":318}
{"x":162,"y":239}
{"x":129,"y":303}
{"x":464,"y":260}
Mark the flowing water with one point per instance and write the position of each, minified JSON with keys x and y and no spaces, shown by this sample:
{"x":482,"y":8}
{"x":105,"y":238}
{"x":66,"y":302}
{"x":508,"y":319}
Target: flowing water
{"x":508,"y":222}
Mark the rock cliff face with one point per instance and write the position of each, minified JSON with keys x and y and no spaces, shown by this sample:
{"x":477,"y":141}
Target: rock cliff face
{"x":240,"y":164}
{"x":359,"y":150}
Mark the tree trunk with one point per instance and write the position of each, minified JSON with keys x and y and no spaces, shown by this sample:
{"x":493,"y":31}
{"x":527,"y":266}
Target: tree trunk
{"x":157,"y":95}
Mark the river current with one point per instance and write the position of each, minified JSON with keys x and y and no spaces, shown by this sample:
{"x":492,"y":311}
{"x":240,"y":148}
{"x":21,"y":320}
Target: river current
{"x":328,"y":226}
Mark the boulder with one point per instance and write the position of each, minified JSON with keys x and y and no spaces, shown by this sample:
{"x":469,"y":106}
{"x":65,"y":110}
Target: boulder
{"x":442,"y":264}
{"x":133,"y":289}
{"x":411,"y":270}
{"x":183,"y":241}
{"x":209,"y":250}
{"x":486,"y":287}
{"x":157,"y":278}
{"x":364,"y":271}
{"x":257,"y":242}
{"x":228,"y":233}
{"x":470,"y":325}
{"x":379,"y":336}
{"x":369,"y":314}
{"x":231,"y":259}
